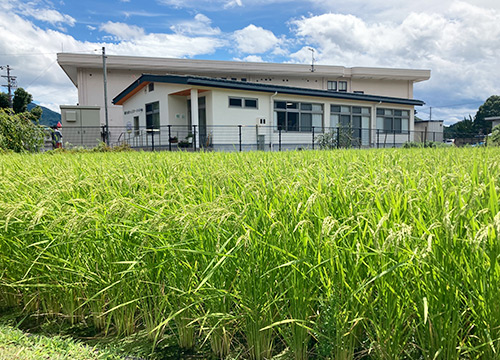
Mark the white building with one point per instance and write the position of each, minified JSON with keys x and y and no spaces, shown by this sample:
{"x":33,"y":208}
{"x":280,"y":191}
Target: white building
{"x":428,"y":130}
{"x":215,"y":108}
{"x":222,"y":93}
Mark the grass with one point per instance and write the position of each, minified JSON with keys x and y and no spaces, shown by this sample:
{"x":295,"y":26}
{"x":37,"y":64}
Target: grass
{"x":15,"y":344}
{"x":376,"y":254}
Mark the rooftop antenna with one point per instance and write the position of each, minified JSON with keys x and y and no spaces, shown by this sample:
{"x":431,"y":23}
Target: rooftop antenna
{"x":312,"y":59}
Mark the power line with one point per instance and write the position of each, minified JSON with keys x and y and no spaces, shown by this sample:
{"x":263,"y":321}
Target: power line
{"x":43,"y":73}
{"x":50,"y":53}
{"x":455,"y":105}
{"x":30,"y":54}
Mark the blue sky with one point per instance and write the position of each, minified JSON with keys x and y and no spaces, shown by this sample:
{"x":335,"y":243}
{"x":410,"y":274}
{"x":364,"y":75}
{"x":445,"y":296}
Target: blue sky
{"x":458,"y":40}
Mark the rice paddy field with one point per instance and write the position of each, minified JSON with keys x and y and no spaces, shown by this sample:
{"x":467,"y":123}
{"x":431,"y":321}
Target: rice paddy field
{"x":348,"y":254}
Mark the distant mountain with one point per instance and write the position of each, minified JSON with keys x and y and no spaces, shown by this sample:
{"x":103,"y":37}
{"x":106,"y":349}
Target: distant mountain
{"x":49,"y":117}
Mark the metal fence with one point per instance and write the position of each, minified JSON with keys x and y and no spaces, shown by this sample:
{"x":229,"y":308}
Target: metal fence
{"x":246,"y":138}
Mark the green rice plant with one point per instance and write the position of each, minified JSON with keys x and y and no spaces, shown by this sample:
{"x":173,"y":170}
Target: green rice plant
{"x":380,"y":254}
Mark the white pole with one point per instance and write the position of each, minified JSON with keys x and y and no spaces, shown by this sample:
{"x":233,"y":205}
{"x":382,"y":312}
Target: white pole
{"x":105,"y":93}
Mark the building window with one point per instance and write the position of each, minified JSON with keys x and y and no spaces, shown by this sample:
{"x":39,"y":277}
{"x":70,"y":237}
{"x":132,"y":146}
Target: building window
{"x":247,"y":103}
{"x":151,"y":87}
{"x":251,"y":103}
{"x":355,"y":119}
{"x":294,"y":116}
{"x":393,"y":121}
{"x":235,"y":102}
{"x":332,"y":86}
{"x":337,"y":86}
{"x":136,"y":126}
{"x":153,"y":115}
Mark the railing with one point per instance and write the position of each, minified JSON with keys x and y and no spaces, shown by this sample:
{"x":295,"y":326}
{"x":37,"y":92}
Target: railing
{"x":247,"y":138}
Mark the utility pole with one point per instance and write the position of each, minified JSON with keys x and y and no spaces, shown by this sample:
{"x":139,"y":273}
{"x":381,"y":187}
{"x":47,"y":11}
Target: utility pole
{"x":11,"y":82}
{"x":430,"y":113}
{"x":105,"y":93}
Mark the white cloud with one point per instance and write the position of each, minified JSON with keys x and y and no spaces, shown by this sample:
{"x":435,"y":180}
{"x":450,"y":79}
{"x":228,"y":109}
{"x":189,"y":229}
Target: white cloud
{"x":460,"y":46}
{"x":200,"y":25}
{"x":122,"y":31}
{"x":166,"y":45}
{"x":250,"y":58}
{"x":53,"y":17}
{"x":393,"y":10}
{"x":33,"y":50}
{"x":232,"y":3}
{"x":202,"y":4}
{"x":142,"y":13}
{"x":255,"y":40}
{"x":38,"y":10}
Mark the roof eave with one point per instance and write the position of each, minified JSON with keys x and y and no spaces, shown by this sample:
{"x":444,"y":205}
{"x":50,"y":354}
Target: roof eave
{"x":246,"y":86}
{"x":304,"y":92}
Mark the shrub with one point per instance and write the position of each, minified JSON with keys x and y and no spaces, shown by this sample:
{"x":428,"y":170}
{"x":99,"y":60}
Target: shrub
{"x":494,"y":139}
{"x":19,"y":133}
{"x":101,"y":147}
{"x":336,"y":138}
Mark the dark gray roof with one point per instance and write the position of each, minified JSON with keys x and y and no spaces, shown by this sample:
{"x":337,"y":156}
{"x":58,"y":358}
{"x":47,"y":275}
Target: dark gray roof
{"x":248,"y":86}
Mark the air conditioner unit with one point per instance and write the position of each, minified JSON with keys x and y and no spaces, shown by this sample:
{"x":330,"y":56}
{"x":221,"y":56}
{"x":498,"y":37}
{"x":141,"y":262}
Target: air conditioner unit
{"x":262,"y":126}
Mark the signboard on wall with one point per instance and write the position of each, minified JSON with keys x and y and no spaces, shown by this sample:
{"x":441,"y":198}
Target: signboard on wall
{"x":133,"y":111}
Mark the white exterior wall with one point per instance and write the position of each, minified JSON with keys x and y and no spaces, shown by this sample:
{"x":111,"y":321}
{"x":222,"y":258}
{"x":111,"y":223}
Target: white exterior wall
{"x":177,"y":111}
{"x":226,"y":115}
{"x":293,"y":81}
{"x":170,"y":105}
{"x":393,"y":88}
{"x":231,"y":117}
{"x":91,"y":91}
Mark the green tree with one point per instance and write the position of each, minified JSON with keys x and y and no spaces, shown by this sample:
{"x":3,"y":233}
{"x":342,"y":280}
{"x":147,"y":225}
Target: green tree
{"x":461,"y":129}
{"x":491,"y":107}
{"x":4,"y":101}
{"x":36,"y":113}
{"x":21,"y":100}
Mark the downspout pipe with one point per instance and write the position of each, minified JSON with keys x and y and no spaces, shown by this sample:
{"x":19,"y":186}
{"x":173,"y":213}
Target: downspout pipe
{"x":271,"y":112}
